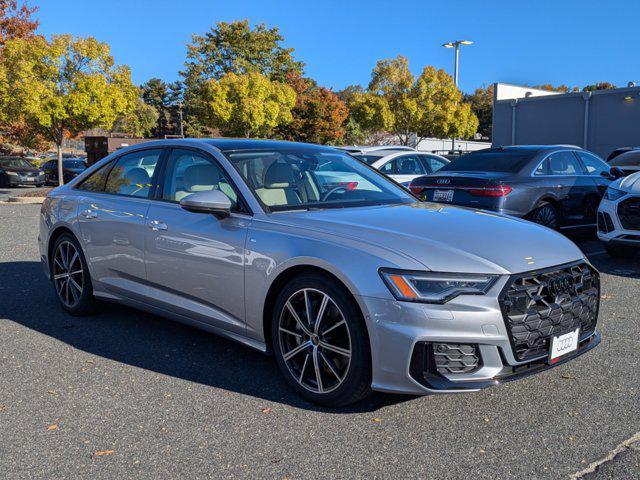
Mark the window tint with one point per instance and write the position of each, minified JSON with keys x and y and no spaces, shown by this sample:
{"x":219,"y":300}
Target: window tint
{"x":389,"y":168}
{"x":190,"y":172}
{"x":490,"y":161}
{"x":593,"y":164}
{"x":432,"y":164}
{"x":409,"y":165}
{"x":563,"y":163}
{"x":132,"y":174}
{"x":543,"y":168}
{"x":95,"y":182}
{"x":629,"y":159}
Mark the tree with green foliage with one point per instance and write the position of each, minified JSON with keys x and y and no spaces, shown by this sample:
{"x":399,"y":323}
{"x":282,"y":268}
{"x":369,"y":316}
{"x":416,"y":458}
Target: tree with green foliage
{"x":247,"y":105}
{"x":481,"y":101}
{"x":318,"y":115}
{"x":599,"y":86}
{"x":165,"y":98}
{"x":140,"y":122}
{"x":235,"y":48}
{"x":429,"y":106}
{"x":63,"y":86}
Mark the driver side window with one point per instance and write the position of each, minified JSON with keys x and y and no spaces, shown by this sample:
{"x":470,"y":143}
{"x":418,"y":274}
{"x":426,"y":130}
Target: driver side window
{"x":190,"y":172}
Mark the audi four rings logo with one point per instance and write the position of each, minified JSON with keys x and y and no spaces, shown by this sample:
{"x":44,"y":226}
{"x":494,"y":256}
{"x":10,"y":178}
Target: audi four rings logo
{"x":561,"y":285}
{"x":443,"y":181}
{"x":564,"y":344}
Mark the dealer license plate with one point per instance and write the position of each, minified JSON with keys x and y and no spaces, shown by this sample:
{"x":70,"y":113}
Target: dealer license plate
{"x":563,"y":344}
{"x":443,"y":196}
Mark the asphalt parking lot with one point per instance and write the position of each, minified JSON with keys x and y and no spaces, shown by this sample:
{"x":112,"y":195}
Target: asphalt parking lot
{"x":124,"y":394}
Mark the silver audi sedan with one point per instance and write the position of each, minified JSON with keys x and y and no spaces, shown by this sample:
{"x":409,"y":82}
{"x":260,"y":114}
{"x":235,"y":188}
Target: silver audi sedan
{"x":305,"y":253}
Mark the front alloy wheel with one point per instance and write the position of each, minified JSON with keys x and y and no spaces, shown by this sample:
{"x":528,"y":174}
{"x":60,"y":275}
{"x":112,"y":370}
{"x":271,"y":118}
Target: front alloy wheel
{"x":320,"y":343}
{"x":314,"y":340}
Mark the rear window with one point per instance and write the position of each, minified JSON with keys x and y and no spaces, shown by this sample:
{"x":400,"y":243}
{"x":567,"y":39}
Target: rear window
{"x":368,"y":159}
{"x":490,"y":162}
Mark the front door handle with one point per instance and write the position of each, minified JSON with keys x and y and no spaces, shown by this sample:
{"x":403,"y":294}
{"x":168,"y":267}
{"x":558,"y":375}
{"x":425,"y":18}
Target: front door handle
{"x":89,"y":213}
{"x":157,"y":225}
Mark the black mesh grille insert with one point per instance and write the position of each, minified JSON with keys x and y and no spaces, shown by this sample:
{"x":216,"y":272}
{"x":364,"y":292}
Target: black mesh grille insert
{"x":541,"y":304}
{"x":629,"y":213}
{"x":456,"y":358}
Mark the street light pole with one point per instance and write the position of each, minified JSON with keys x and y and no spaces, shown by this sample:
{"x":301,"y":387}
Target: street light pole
{"x":456,"y":45}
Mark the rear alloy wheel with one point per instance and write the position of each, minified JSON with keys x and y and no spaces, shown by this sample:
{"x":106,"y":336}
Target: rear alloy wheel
{"x":70,"y":276}
{"x":545,"y":215}
{"x":320,"y":343}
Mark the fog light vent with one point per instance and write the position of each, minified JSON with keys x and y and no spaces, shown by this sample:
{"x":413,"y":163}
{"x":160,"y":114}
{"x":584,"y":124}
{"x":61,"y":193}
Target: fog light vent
{"x":456,"y":357}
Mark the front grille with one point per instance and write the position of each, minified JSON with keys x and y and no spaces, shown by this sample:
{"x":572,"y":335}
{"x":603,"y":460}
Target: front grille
{"x":605,"y":224}
{"x":541,"y":304}
{"x":456,"y":358}
{"x":629,"y":213}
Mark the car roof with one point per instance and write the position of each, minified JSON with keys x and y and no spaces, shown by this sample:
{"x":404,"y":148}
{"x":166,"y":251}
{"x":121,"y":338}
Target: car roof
{"x":376,"y":148}
{"x":528,"y":148}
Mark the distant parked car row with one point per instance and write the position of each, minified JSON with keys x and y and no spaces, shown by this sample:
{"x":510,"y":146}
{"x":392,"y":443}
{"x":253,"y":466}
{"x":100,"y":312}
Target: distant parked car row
{"x":402,"y":164}
{"x":71,"y":168}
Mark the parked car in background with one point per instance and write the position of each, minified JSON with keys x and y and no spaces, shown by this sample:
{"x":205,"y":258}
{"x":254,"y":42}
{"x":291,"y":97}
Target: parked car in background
{"x":619,"y":217}
{"x":620,"y":151}
{"x":71,"y":168}
{"x":403,"y":166}
{"x":351,"y":290}
{"x":555,"y":186}
{"x":628,"y":162}
{"x":15,"y":171}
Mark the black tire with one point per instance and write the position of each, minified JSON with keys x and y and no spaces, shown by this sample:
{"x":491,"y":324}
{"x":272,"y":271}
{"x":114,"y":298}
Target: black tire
{"x":40,"y":185}
{"x":85,"y":303}
{"x":620,"y":251}
{"x":351,"y":379}
{"x":545,"y":214}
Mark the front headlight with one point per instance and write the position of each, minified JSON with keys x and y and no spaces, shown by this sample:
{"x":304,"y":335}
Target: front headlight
{"x":435,"y":287}
{"x":614,"y":194}
{"x":12,"y":173}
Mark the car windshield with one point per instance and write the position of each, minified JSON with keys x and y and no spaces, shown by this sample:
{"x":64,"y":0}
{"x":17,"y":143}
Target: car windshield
{"x":490,"y":161}
{"x":14,"y":163}
{"x":368,"y":159}
{"x":628,"y":159}
{"x":74,"y":164}
{"x":307,"y":178}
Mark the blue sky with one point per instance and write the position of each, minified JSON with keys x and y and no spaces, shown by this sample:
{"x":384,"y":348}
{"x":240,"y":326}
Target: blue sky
{"x":563,"y":41}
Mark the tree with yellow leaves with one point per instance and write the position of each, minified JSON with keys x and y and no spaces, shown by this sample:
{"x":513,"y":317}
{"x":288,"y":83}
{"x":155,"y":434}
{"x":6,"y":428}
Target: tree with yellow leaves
{"x":63,"y":86}
{"x":247,"y":105}
{"x":397,"y":102}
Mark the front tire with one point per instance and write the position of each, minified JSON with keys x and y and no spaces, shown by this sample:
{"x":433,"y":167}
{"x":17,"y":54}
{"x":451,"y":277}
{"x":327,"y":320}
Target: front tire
{"x":70,"y":276}
{"x":320,"y":341}
{"x":620,"y":251}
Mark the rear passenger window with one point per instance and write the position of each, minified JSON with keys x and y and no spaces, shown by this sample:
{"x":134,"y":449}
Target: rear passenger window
{"x":133,"y":173}
{"x":95,"y":182}
{"x":564,"y":163}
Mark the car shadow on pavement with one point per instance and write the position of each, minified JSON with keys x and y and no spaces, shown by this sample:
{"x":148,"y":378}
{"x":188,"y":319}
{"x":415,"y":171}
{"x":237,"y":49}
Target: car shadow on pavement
{"x":153,"y":343}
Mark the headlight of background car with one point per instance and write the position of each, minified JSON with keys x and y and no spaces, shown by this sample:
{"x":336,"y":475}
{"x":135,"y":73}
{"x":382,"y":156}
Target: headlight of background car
{"x":435,"y":287}
{"x":12,"y":173}
{"x":614,"y":194}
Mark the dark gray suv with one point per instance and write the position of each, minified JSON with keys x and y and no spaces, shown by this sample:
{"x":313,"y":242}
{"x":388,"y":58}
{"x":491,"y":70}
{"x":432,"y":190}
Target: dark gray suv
{"x":557,"y":186}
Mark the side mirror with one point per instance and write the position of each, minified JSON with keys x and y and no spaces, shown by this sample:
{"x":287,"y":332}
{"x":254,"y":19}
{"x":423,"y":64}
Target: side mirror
{"x":210,"y":201}
{"x":617,"y":172}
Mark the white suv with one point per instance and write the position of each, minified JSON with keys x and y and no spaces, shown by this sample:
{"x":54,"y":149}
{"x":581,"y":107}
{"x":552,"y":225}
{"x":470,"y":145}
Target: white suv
{"x":619,"y":217}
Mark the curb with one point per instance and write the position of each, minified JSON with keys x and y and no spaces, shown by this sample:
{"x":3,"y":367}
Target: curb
{"x":25,"y":199}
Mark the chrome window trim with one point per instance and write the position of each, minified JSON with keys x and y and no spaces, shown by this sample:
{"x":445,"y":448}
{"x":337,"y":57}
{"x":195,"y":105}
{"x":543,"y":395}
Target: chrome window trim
{"x":533,"y":172}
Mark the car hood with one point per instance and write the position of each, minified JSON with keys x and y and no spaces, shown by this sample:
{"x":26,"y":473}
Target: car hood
{"x":629,"y":184}
{"x":443,"y":237}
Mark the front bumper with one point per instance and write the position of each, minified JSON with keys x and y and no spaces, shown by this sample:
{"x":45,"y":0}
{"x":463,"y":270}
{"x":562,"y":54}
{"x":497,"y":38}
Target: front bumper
{"x":403,"y":337}
{"x":610,"y":228}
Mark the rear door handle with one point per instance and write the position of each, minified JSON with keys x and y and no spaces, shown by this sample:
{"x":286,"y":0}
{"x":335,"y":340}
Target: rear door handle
{"x":157,"y":225}
{"x":89,"y":213}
